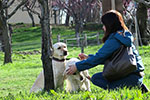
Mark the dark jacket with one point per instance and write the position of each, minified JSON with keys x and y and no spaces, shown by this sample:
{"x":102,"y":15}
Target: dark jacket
{"x":114,"y":41}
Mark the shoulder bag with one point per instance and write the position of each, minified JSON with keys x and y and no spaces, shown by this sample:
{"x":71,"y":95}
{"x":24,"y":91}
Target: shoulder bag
{"x":120,"y":64}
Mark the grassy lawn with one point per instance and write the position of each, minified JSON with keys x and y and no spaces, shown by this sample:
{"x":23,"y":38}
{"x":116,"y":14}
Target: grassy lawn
{"x":27,"y":38}
{"x":17,"y":78}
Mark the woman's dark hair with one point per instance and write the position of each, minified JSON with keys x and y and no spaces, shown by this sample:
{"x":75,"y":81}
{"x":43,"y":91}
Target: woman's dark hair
{"x":113,"y":22}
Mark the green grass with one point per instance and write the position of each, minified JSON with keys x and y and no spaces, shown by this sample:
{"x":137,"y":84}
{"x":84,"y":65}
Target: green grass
{"x":17,"y":78}
{"x":25,"y":38}
{"x":29,"y":38}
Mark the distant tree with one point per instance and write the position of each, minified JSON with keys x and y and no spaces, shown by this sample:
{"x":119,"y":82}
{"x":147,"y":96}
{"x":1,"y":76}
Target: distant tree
{"x":112,"y":4}
{"x":78,"y":9}
{"x":95,"y":14}
{"x":67,"y":19}
{"x":4,"y":16}
{"x":25,"y":8}
{"x":141,"y":14}
{"x":43,"y":11}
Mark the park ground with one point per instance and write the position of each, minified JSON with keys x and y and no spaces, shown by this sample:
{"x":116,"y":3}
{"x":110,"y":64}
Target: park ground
{"x":17,"y":78}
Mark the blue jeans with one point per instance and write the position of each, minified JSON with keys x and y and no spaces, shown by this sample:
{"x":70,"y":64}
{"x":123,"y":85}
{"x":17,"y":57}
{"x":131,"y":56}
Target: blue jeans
{"x":131,"y":80}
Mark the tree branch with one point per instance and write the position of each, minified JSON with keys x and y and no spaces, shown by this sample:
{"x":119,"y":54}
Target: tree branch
{"x":9,"y":4}
{"x":35,"y":12}
{"x":0,"y":5}
{"x":15,"y":10}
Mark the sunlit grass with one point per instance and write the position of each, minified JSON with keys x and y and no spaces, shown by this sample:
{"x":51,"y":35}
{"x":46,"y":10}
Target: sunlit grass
{"x":17,"y":78}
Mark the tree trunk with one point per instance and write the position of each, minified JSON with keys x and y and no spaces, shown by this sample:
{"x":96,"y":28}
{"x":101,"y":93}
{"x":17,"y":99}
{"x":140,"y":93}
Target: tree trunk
{"x":79,"y":32}
{"x":4,"y":26}
{"x":106,"y":4}
{"x":30,"y":15}
{"x":89,"y":17}
{"x":46,"y":46}
{"x":82,"y":35}
{"x":77,"y":27}
{"x":67,"y":20}
{"x":55,"y":17}
{"x":32,"y":18}
{"x":6,"y":38}
{"x":142,"y":22}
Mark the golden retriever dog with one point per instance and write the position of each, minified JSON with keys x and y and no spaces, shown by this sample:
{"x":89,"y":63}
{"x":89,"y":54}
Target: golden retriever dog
{"x":58,"y":62}
{"x":77,"y":81}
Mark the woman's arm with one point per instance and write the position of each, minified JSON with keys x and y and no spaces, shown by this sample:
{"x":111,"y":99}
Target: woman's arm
{"x":126,"y":40}
{"x":99,"y":58}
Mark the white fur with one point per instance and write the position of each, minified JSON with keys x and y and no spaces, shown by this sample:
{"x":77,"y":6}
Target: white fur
{"x":74,"y":82}
{"x":58,"y":69}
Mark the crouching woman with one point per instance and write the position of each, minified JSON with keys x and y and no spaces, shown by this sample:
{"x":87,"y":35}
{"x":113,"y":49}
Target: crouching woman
{"x":113,"y":26}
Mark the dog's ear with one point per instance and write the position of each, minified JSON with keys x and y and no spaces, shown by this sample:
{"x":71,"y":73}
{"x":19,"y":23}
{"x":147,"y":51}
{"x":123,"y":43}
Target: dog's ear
{"x":81,"y":78}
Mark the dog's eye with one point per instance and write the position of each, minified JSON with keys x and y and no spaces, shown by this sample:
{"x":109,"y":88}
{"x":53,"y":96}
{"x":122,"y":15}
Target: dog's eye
{"x":64,"y":46}
{"x":59,"y":48}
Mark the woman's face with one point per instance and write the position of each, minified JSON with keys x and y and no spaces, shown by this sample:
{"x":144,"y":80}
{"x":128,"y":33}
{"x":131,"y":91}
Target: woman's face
{"x":104,"y":28}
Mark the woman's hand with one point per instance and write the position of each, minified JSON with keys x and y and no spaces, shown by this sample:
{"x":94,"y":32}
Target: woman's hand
{"x":83,"y":56}
{"x":71,"y":70}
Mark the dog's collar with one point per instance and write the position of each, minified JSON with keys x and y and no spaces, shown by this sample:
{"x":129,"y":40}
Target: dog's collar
{"x":60,"y":60}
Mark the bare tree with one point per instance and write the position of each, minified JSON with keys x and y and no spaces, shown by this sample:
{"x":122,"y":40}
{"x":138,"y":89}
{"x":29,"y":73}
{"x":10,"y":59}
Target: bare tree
{"x":26,"y":8}
{"x":4,"y":16}
{"x":78,"y":9}
{"x":44,"y":16}
{"x":67,"y":19}
{"x":31,"y":17}
{"x":141,"y":14}
{"x":46,"y":45}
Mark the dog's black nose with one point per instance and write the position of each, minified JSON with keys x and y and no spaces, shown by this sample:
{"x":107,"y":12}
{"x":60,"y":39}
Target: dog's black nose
{"x":65,"y":53}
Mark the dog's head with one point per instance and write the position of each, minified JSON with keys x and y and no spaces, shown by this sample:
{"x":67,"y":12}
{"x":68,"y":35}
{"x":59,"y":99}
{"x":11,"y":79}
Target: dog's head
{"x":60,"y":50}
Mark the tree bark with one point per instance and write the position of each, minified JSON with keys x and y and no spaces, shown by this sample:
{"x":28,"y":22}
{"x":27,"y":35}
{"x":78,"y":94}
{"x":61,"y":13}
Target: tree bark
{"x":67,"y":20}
{"x":77,"y":27}
{"x":6,"y":36}
{"x":46,"y":46}
{"x":7,"y":41}
{"x":32,"y":18}
{"x":55,"y":17}
{"x":142,"y":22}
{"x":4,"y":26}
